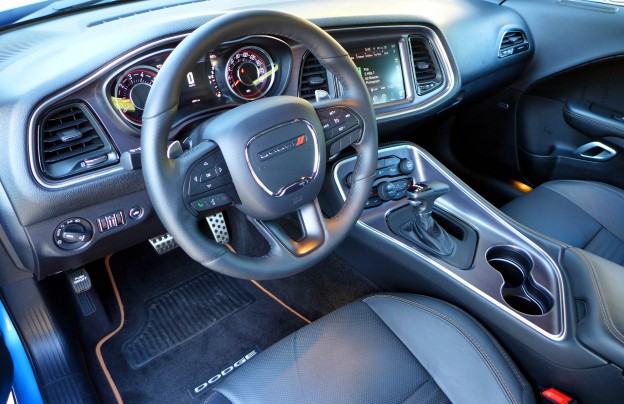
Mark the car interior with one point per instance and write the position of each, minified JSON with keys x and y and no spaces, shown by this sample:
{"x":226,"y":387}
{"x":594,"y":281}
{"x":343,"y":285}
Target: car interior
{"x":209,"y":201}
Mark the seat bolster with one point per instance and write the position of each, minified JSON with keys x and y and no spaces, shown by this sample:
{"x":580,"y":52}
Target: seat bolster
{"x":460,"y":355}
{"x":602,"y":202}
{"x":384,"y":348}
{"x":551,"y":212}
{"x":598,"y":283}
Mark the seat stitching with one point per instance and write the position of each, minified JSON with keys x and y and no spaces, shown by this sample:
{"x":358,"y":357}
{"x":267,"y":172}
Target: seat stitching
{"x":421,"y":386}
{"x":211,"y":396}
{"x":399,"y":341}
{"x":465,"y":333}
{"x":594,"y":121}
{"x":596,"y":235}
{"x":604,"y":309}
{"x":599,"y":185}
{"x":511,"y":364}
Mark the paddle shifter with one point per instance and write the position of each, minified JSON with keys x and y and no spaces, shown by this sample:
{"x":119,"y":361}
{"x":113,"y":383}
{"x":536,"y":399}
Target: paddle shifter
{"x":423,"y":229}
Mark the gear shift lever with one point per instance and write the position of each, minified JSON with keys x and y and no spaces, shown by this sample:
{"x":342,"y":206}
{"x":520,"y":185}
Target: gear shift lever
{"x":424,"y":230}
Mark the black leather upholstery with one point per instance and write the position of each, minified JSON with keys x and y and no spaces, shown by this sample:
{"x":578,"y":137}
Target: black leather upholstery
{"x":382,"y":349}
{"x":583,"y":214}
{"x":597,"y":286}
{"x":593,"y":119}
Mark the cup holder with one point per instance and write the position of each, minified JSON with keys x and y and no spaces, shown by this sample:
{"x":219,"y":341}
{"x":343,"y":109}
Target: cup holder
{"x":520,"y":291}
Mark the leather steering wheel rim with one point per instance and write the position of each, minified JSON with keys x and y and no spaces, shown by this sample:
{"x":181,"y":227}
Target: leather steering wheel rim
{"x":160,"y":172}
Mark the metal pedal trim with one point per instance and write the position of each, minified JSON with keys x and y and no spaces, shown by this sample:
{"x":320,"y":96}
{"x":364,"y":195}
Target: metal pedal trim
{"x":163,"y":243}
{"x":218,"y":228}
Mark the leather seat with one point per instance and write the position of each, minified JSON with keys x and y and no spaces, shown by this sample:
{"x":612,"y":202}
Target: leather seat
{"x":583,"y":214}
{"x":381,"y":349}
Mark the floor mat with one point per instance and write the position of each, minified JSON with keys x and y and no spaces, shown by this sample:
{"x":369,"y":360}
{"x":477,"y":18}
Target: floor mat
{"x":182,"y":313}
{"x":189,"y":360}
{"x":143,"y":278}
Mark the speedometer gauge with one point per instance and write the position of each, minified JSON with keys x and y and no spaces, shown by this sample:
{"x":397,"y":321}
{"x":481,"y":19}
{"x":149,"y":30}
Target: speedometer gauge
{"x":250,"y":73}
{"x":131,"y":92}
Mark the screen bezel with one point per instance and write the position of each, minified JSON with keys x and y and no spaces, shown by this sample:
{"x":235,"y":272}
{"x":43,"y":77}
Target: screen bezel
{"x":353,"y":49}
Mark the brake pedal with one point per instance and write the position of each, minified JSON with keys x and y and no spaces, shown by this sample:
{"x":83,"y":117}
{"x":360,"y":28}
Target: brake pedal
{"x":81,"y":285}
{"x":163,"y":243}
{"x":218,"y":227}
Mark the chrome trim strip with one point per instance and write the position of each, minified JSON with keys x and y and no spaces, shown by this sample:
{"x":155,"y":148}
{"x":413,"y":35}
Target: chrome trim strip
{"x":109,"y":79}
{"x":271,"y":62}
{"x":525,"y":41}
{"x":54,"y":98}
{"x":135,"y":55}
{"x":495,"y":216}
{"x":450,"y":80}
{"x":317,"y":159}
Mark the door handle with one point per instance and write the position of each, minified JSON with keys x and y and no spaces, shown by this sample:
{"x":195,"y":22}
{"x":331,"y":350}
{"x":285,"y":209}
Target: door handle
{"x":595,"y":151}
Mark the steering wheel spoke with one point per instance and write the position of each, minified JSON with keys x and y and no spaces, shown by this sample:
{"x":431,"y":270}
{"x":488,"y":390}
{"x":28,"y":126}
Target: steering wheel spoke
{"x":341,"y":125}
{"x":313,"y":228}
{"x":204,"y":178}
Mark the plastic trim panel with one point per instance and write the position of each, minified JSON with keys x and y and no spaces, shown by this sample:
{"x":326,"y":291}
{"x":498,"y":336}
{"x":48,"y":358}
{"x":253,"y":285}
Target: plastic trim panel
{"x":489,"y":219}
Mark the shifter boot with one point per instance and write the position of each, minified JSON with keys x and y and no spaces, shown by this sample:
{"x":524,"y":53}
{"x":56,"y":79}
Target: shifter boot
{"x":425,"y":231}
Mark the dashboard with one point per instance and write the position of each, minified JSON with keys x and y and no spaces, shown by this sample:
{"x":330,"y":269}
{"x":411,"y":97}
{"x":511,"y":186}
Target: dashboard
{"x":72,"y":130}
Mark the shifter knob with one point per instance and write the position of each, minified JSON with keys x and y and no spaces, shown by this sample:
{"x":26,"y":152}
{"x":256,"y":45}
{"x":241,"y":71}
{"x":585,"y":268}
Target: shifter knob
{"x":422,"y":195}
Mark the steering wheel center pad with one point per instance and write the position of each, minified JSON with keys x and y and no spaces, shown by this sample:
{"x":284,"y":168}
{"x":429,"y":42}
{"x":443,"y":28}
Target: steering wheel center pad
{"x":275,"y":152}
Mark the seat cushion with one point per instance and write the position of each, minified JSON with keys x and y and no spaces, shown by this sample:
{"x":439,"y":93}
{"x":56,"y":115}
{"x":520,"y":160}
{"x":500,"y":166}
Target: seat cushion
{"x":583,"y":214}
{"x":382,"y":349}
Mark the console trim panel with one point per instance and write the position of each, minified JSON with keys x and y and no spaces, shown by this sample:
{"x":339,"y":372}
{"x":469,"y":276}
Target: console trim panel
{"x":511,"y":235}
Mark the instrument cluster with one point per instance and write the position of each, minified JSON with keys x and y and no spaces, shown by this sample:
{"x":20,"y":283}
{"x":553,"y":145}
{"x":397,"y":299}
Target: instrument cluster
{"x":235,"y":73}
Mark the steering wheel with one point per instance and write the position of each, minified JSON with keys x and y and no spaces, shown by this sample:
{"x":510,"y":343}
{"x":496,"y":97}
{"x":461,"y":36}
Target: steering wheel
{"x":268,"y":155}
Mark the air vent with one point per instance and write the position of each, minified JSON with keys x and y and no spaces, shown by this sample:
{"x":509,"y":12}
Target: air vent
{"x":313,"y":77}
{"x":71,"y":142}
{"x":426,"y":66}
{"x":513,"y":42}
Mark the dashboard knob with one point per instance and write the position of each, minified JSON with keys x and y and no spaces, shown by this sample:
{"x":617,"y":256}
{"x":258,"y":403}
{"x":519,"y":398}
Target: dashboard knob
{"x":387,"y":190}
{"x":406,"y":166}
{"x":74,"y":233}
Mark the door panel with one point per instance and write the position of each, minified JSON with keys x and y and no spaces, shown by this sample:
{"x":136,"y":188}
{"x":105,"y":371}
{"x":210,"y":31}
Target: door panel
{"x":569,"y":125}
{"x":578,"y":60}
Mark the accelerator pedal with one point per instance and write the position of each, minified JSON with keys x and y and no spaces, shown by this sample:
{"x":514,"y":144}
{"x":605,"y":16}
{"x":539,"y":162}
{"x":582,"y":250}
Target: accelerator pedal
{"x":165,"y":242}
{"x":80,"y":283}
{"x":218,"y":227}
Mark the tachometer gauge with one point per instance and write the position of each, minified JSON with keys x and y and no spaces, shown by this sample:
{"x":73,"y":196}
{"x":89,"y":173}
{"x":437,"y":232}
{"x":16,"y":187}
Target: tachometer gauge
{"x":250,"y":73}
{"x":131,"y":92}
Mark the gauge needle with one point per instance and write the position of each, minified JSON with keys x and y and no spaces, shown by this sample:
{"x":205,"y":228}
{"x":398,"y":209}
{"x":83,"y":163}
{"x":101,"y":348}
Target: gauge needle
{"x":265,"y":75}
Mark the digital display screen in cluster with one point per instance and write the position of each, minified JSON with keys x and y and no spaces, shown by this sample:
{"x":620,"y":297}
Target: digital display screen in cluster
{"x":380,"y":66}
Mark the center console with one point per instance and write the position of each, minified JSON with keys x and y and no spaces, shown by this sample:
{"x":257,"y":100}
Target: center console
{"x":481,"y":250}
{"x":554,"y":308}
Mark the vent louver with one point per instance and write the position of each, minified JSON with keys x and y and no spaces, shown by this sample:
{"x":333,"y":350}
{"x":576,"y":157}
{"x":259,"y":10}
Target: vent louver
{"x":426,"y":67}
{"x":313,"y":77}
{"x":71,"y":141}
{"x":513,"y":42}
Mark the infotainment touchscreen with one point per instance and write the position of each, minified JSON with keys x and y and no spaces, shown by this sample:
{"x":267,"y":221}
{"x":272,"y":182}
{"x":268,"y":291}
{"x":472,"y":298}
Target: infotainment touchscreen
{"x":380,"y":66}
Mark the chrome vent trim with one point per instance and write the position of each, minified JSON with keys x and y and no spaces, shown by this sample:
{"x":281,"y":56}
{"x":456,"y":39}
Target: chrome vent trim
{"x":313,"y":77}
{"x":427,"y":70}
{"x":513,"y":42}
{"x":71,"y":141}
